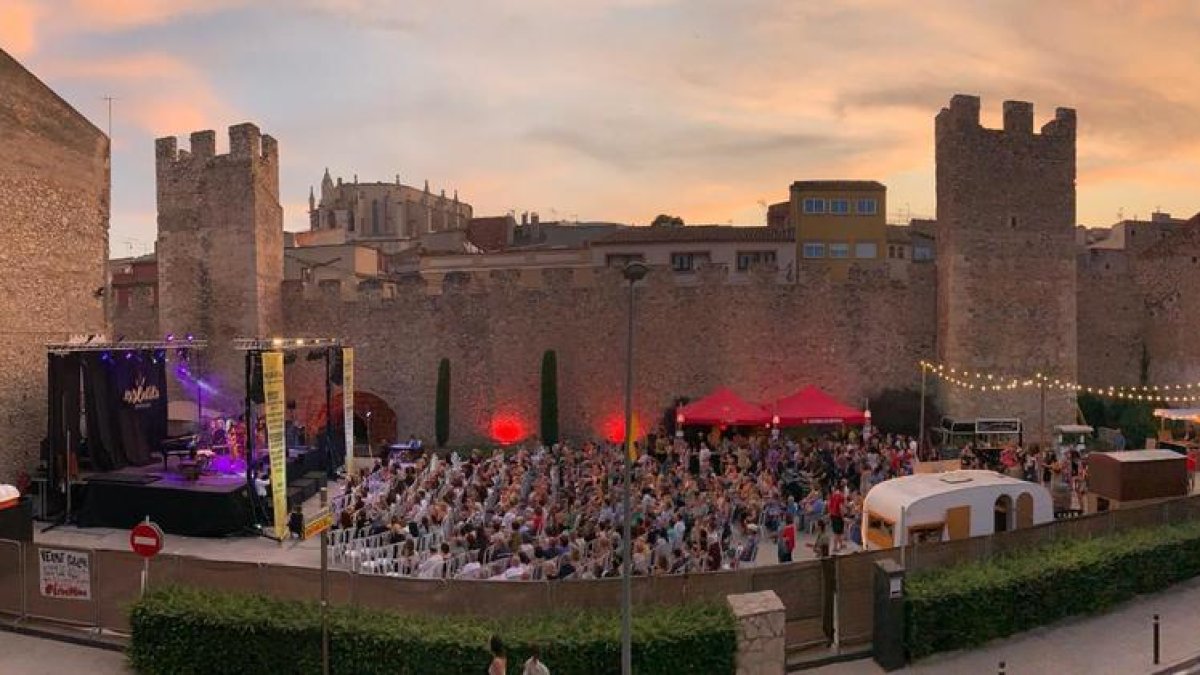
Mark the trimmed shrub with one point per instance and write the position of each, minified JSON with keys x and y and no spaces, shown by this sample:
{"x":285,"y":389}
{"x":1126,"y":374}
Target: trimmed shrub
{"x":971,"y":604}
{"x":441,"y":412}
{"x":549,"y":397}
{"x":179,"y":631}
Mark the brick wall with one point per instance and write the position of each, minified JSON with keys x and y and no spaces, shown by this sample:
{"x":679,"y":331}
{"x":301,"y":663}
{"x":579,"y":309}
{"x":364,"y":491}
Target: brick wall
{"x":53,"y":248}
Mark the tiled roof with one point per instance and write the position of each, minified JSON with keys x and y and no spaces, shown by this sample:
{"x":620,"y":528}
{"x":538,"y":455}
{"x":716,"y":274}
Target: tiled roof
{"x":838,"y":185}
{"x":698,"y":233}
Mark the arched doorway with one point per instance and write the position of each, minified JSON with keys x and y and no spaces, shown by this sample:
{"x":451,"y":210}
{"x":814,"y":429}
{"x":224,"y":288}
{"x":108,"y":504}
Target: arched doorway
{"x":1004,"y":513}
{"x":1025,"y":510}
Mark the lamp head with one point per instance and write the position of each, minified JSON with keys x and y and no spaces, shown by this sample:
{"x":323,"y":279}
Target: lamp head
{"x":635,"y":271}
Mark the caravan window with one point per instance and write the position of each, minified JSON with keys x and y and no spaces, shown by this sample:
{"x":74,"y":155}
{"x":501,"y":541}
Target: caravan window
{"x":930,"y":533}
{"x":881,"y":531}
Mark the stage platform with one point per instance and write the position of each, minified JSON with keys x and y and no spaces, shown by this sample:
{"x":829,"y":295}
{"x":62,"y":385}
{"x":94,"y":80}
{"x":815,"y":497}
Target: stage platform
{"x":213,"y":505}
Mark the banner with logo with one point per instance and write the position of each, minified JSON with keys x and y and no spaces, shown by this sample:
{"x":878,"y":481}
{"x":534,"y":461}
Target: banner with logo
{"x":274,"y":410}
{"x":65,"y":574}
{"x":348,"y":405}
{"x":126,"y":406}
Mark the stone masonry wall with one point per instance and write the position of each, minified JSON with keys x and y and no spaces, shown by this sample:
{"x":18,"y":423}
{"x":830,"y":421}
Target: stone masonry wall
{"x":764,"y":340}
{"x":220,"y":247}
{"x":54,"y":196}
{"x":1141,"y":304}
{"x":1006,"y":256}
{"x":761,"y":633}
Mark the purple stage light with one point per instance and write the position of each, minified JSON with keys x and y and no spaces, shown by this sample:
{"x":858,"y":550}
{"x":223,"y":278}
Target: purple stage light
{"x":170,"y":337}
{"x":128,"y":355}
{"x":189,"y":337}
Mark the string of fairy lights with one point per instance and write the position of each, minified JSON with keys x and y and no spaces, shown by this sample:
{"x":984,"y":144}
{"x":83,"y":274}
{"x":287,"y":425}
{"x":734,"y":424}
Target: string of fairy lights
{"x":978,"y":380}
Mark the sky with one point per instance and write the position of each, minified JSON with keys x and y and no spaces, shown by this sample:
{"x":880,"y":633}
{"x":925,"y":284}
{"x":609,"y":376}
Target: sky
{"x":619,"y":110}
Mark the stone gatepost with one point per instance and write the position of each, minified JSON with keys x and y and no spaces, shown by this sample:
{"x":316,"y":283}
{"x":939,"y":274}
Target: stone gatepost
{"x":761,"y":636}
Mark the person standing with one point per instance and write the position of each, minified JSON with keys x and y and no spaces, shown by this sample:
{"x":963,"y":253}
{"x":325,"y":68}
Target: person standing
{"x":837,"y":522}
{"x":534,"y":665}
{"x":787,"y":542}
{"x":499,"y":664}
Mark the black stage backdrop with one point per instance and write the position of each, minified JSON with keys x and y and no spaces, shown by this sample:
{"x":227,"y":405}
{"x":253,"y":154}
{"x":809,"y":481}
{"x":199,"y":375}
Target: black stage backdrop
{"x":62,"y":412}
{"x":125,"y":396}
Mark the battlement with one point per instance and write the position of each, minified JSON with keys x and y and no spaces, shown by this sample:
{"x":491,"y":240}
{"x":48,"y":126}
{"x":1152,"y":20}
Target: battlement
{"x":246,"y":142}
{"x":962,"y":116}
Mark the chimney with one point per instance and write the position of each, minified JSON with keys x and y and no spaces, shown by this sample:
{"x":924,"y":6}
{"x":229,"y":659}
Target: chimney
{"x":525,"y":218}
{"x":533,"y":218}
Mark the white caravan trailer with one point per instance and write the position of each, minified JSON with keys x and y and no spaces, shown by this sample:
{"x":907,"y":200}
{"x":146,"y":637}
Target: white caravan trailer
{"x":929,"y":507}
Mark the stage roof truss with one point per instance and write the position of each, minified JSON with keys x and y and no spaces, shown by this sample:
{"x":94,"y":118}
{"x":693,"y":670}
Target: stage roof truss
{"x":284,"y":344}
{"x":124,"y":345}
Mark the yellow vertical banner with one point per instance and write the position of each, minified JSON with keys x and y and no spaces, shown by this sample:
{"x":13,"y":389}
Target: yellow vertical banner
{"x":273,"y":410}
{"x":348,"y":405}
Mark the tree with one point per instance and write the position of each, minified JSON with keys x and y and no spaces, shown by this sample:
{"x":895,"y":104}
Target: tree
{"x":666,"y":221}
{"x":441,"y":416}
{"x":549,"y":397}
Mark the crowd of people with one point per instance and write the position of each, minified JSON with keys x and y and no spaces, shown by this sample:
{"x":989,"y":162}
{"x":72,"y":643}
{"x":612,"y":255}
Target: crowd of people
{"x":557,"y":512}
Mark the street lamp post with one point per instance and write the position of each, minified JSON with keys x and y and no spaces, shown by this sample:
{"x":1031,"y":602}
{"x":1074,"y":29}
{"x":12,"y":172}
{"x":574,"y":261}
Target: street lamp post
{"x":633,"y":272}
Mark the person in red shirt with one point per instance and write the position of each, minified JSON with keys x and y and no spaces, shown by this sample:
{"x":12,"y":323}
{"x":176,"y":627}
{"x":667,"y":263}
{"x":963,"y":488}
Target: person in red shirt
{"x":787,"y":542}
{"x":837,"y":523}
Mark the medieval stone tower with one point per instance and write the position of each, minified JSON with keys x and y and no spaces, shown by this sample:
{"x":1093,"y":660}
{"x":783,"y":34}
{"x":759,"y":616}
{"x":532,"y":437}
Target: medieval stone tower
{"x":220,"y":247}
{"x":1006,"y":260}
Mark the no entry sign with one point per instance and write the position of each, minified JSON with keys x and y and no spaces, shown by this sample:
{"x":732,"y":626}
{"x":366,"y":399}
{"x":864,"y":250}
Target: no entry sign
{"x":146,"y":539}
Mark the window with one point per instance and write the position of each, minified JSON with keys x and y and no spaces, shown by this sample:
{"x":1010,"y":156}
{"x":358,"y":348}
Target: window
{"x":839,"y":249}
{"x":814,"y":249}
{"x":930,"y":533}
{"x":622,"y":259}
{"x":747,"y":259}
{"x":922,"y":252}
{"x":374,"y":216}
{"x":839,"y":207}
{"x":813,"y":205}
{"x":866,"y":250}
{"x":867,"y":207}
{"x":900,"y":252}
{"x":687,"y":262}
{"x":891,"y":251}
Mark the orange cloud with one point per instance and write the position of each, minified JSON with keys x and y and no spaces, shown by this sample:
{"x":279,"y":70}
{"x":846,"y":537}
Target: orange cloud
{"x":18,"y":27}
{"x":116,"y":14}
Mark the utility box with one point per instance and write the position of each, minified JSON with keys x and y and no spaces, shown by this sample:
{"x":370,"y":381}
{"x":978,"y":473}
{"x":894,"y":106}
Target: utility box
{"x":888,"y":640}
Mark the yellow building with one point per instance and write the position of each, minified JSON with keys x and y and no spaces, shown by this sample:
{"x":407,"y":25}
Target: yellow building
{"x":839,"y":221}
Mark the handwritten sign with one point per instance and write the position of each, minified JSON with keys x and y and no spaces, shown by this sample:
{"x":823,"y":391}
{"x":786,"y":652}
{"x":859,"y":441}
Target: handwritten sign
{"x":65,"y":574}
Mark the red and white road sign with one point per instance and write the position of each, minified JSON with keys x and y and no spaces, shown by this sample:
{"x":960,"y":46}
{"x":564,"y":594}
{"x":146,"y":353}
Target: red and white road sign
{"x":146,"y":539}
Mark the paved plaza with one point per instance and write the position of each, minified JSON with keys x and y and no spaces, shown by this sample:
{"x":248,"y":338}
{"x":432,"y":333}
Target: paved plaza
{"x":28,"y":655}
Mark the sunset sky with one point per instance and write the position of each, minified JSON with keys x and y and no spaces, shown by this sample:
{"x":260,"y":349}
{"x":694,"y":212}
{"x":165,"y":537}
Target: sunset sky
{"x":624,"y":109}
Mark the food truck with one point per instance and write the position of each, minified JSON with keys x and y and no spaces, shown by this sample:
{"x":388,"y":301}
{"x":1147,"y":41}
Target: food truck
{"x":988,"y":436}
{"x":951,"y":505}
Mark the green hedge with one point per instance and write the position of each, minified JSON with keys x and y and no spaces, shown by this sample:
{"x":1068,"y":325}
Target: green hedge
{"x":973,"y":603}
{"x":179,"y":631}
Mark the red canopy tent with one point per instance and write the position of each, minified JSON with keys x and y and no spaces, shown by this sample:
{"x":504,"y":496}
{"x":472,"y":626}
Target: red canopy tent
{"x":723,"y":407}
{"x":810,"y":405}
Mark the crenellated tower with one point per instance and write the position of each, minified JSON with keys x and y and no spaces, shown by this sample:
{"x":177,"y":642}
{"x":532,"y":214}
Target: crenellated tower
{"x":1006,"y":258}
{"x":220,"y":245}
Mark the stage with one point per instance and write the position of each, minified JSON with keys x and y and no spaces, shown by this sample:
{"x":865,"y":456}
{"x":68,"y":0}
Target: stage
{"x":213,"y":505}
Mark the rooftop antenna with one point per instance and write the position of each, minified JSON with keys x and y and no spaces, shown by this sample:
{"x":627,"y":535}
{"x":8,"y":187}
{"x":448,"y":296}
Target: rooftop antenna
{"x":1120,"y":213}
{"x":109,"y":100}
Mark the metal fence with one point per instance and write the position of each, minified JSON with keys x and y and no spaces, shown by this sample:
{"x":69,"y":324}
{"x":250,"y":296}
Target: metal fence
{"x":823,"y":599}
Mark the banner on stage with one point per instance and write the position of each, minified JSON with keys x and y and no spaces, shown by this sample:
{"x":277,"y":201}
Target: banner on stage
{"x":348,"y":406}
{"x":322,"y":522}
{"x":66,"y":575}
{"x":274,"y":410}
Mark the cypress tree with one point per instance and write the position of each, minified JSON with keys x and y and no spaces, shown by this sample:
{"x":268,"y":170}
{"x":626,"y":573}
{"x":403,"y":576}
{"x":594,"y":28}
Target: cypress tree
{"x":441,"y":416}
{"x":549,"y":397}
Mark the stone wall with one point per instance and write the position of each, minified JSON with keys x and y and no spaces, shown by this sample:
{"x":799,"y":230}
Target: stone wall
{"x":761,"y":633}
{"x":220,"y":247}
{"x":1006,"y":256}
{"x":1139,"y":311}
{"x":54,"y":195}
{"x":765,"y":340}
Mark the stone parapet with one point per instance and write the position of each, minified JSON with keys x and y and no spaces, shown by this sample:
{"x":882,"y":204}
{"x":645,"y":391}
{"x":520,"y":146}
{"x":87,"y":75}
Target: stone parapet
{"x":761,"y":633}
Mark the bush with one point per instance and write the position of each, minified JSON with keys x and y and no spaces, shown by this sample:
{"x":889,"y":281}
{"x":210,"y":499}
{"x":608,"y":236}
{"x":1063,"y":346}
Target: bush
{"x":441,"y":413}
{"x":181,"y":631}
{"x":549,"y":397}
{"x":973,"y":603}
